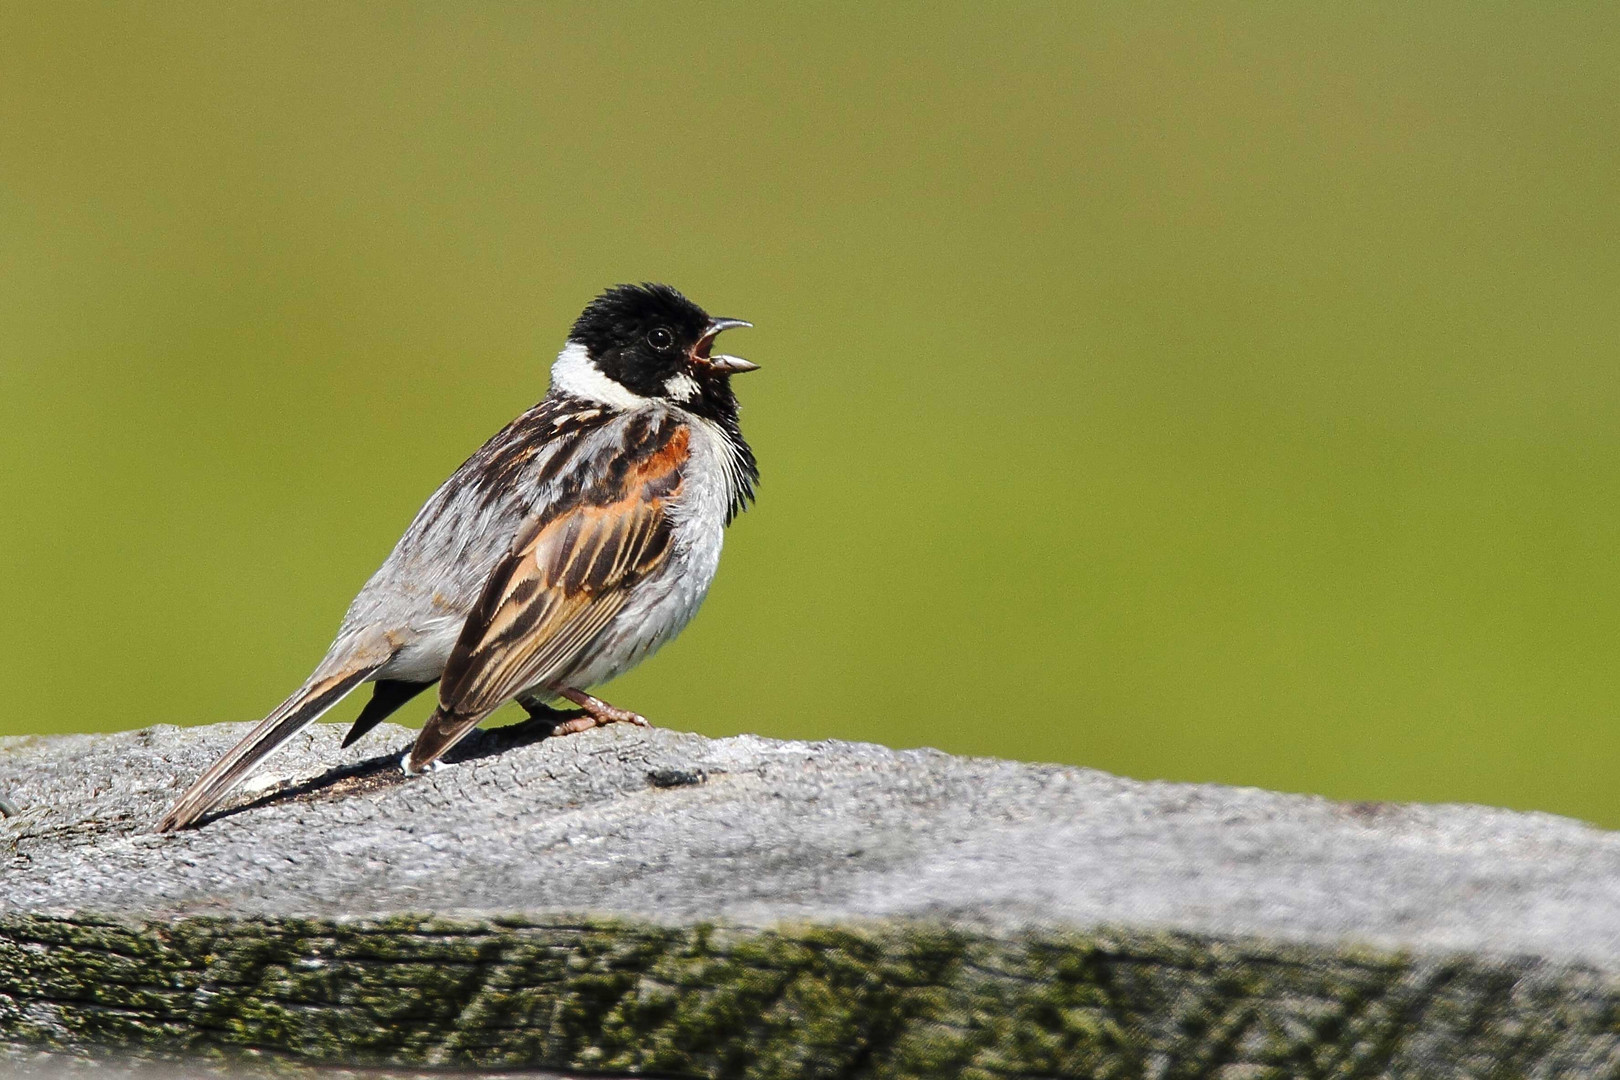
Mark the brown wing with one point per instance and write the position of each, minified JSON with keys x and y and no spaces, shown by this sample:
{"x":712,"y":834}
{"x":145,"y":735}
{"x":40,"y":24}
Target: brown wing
{"x":568,"y":573}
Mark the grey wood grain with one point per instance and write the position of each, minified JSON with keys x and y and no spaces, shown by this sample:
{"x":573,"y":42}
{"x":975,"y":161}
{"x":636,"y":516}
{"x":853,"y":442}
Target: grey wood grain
{"x":931,"y":901}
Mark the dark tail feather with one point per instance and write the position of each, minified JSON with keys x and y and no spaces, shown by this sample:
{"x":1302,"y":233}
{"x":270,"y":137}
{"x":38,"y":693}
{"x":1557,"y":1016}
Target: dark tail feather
{"x":442,"y":731}
{"x":387,"y":696}
{"x":288,"y":719}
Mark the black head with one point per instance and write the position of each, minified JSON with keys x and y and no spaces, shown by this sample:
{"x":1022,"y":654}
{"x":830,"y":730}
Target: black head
{"x":655,"y":343}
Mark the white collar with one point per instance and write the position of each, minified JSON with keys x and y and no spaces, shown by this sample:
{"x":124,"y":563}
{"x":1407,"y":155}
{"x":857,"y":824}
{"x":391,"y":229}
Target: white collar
{"x":573,"y":373}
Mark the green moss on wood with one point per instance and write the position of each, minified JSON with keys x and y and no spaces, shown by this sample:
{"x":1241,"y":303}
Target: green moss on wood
{"x":884,"y":1001}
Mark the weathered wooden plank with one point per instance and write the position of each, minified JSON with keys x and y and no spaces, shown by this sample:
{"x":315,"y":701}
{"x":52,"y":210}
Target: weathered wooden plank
{"x":652,"y":902}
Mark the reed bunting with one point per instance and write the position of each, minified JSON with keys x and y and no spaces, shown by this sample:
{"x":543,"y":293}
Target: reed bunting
{"x":564,"y":552}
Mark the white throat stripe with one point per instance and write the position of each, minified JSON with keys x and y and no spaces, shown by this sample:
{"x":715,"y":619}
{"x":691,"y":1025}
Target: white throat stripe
{"x":573,"y":373}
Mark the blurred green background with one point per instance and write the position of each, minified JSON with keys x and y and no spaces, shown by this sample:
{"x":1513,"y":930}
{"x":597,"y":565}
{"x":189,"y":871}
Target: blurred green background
{"x":1217,"y":394}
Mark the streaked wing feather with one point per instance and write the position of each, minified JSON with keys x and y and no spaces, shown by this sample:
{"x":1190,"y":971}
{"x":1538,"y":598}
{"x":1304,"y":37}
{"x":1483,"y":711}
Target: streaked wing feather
{"x":565,"y":578}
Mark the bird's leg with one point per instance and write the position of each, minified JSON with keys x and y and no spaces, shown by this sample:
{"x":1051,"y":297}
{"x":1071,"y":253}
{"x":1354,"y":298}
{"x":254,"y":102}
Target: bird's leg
{"x":543,"y":720}
{"x":597,"y":713}
{"x":541,"y":713}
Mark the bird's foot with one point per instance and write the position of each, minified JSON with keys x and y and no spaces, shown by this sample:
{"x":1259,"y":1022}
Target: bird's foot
{"x":594,"y":712}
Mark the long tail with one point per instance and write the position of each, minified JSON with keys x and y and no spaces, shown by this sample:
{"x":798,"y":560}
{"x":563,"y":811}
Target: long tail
{"x":287,"y":720}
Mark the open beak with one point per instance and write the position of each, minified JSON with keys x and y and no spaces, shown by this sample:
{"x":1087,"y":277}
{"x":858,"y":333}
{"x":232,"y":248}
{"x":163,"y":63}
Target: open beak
{"x":722,"y":364}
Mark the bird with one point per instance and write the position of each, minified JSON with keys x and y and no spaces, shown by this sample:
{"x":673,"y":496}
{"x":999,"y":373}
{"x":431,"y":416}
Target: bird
{"x":567,"y":549}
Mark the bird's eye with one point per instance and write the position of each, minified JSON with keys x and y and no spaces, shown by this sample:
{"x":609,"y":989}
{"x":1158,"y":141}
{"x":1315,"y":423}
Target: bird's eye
{"x":660,"y":338}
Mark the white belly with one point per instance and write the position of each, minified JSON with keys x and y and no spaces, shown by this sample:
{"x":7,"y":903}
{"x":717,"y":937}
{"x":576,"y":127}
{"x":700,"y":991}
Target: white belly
{"x":660,"y":611}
